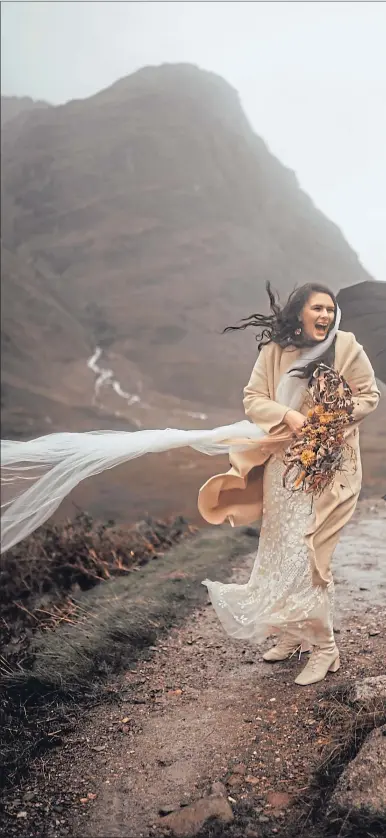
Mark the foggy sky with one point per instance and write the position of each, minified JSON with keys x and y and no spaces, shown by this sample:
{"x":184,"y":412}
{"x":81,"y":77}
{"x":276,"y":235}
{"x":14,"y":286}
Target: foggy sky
{"x":311,"y":76}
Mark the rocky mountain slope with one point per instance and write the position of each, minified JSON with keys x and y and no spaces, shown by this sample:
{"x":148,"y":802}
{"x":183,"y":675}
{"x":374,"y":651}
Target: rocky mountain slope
{"x":364,"y":313}
{"x":14,"y":106}
{"x":142,"y":221}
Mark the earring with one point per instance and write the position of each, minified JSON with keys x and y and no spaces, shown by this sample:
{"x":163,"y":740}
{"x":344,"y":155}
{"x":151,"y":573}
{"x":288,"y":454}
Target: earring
{"x":298,"y":331}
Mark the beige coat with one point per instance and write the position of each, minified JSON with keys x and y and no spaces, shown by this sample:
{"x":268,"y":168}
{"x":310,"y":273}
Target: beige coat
{"x":237,"y":496}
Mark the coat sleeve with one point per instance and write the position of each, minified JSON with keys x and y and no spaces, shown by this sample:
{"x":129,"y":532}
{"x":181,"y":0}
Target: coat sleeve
{"x":360,"y":376}
{"x":258,"y":404}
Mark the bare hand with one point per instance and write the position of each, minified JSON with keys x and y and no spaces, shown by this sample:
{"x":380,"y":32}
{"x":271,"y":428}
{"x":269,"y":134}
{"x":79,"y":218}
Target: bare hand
{"x":295,"y":421}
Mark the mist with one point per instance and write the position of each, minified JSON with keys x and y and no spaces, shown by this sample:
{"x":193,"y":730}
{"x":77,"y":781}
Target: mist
{"x":311,"y":77}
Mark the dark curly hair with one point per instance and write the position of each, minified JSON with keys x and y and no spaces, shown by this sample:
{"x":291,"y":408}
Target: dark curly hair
{"x":280,"y":326}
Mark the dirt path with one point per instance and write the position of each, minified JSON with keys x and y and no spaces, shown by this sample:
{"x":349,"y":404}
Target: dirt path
{"x":203,"y":709}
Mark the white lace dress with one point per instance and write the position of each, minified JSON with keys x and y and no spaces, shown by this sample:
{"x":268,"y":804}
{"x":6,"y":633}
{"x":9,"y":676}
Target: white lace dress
{"x":280,"y":595}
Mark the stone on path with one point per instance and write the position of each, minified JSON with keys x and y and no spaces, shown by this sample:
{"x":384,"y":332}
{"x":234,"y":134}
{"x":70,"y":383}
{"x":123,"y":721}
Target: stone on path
{"x":186,"y":822}
{"x":218,"y":789}
{"x":368,"y":690}
{"x":360,"y":794}
{"x":279,"y":800}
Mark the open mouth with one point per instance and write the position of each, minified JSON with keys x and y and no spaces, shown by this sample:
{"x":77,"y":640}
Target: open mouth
{"x":321,"y":328}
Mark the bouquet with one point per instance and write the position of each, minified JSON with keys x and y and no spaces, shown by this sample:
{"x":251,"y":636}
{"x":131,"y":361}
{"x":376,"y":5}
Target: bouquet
{"x":313,"y":459}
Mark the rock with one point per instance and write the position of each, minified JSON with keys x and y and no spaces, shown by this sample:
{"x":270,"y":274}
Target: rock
{"x":186,"y":822}
{"x":252,"y":780}
{"x":235,"y":780}
{"x":166,"y":809}
{"x":240,"y":768}
{"x":369,"y":689}
{"x":279,"y":799}
{"x":218,"y":790}
{"x":360,"y":794}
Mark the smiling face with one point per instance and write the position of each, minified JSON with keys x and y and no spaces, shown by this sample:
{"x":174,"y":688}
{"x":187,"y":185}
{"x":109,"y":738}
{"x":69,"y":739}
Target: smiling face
{"x":317,"y":316}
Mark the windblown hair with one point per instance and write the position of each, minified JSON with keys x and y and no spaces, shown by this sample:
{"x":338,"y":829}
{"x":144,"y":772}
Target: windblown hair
{"x":280,"y":326}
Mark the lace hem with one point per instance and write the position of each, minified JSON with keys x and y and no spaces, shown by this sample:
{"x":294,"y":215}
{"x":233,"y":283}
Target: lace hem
{"x":280,"y":595}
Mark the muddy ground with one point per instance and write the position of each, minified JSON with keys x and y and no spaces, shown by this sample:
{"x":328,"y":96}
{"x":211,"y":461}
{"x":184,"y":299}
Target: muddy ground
{"x":198,"y":708}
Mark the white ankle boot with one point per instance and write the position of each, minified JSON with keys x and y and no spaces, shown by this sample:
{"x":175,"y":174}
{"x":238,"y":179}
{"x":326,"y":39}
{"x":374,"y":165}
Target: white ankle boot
{"x":287,"y":646}
{"x":325,"y":658}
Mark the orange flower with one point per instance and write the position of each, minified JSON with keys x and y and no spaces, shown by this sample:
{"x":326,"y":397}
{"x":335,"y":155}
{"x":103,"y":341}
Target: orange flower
{"x":307,"y":457}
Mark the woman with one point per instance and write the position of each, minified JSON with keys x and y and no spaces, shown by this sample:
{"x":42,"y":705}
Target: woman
{"x":291,"y":590}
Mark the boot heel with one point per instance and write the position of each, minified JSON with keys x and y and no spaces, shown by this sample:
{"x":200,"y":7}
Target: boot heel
{"x":335,"y":666}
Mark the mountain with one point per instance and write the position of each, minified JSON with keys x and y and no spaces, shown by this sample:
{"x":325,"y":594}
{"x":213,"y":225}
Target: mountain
{"x":13,"y":106}
{"x":142,"y":221}
{"x":40,"y":338}
{"x":364,"y":313}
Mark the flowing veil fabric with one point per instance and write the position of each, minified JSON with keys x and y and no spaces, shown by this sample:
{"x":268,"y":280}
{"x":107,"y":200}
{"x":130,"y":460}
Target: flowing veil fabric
{"x":37,"y":474}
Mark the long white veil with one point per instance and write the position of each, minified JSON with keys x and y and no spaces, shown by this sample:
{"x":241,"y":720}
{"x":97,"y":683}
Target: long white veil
{"x":37,"y":474}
